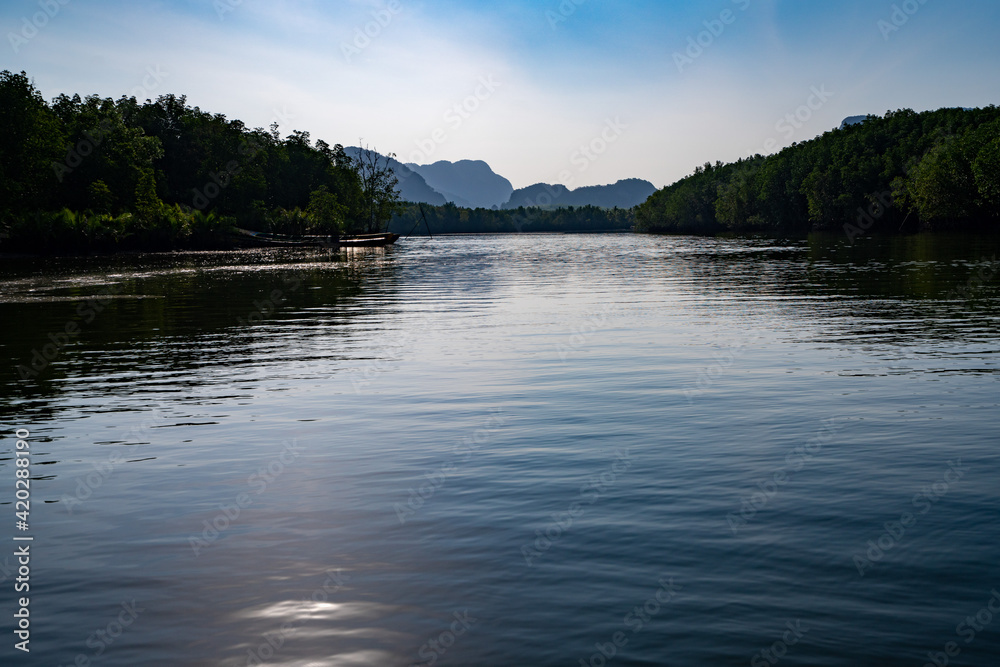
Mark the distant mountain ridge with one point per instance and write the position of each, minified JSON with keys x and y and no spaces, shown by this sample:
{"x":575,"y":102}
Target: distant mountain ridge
{"x":474,"y":184}
{"x":467,"y":183}
{"x":857,"y":120}
{"x":412,"y":186}
{"x":853,"y":120}
{"x":626,"y":193}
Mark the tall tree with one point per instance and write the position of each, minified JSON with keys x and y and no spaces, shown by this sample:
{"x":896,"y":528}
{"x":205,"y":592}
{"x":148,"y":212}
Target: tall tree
{"x":379,"y":192}
{"x":31,"y":141}
{"x":326,"y":213}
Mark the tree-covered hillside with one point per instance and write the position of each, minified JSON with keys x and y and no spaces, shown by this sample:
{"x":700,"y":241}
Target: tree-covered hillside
{"x":906,"y":171}
{"x":98,"y":173}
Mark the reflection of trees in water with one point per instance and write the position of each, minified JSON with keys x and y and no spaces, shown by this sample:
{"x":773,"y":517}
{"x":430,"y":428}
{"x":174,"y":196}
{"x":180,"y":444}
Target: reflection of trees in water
{"x":176,"y":316}
{"x":898,"y":290}
{"x":913,"y":267}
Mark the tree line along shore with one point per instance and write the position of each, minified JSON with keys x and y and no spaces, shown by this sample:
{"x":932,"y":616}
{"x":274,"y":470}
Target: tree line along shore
{"x":97,"y":174}
{"x":93,"y":174}
{"x":899,"y":173}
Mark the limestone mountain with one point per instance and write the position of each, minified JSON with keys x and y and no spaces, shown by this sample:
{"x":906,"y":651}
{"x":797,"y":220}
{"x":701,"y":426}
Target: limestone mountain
{"x":467,"y":183}
{"x":625,"y":193}
{"x":474,"y":184}
{"x":412,"y":186}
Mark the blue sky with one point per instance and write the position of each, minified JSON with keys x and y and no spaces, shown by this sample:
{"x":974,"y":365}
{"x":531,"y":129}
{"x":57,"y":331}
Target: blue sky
{"x":581,"y":92}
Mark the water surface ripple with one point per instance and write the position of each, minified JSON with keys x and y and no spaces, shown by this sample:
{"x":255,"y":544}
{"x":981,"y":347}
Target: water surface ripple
{"x":511,"y":450}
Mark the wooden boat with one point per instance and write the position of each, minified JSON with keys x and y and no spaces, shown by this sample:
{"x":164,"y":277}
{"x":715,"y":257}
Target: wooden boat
{"x":368,"y":240}
{"x":263,"y":239}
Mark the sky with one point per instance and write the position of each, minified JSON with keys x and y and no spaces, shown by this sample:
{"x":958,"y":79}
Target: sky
{"x":578,"y":92}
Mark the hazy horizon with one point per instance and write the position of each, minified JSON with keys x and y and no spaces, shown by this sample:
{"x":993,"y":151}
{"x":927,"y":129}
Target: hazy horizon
{"x":523,"y":86}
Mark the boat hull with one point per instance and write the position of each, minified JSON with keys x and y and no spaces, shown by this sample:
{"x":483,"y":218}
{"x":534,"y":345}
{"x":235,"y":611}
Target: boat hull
{"x":261,"y":239}
{"x":368,"y":240}
{"x":247,"y":238}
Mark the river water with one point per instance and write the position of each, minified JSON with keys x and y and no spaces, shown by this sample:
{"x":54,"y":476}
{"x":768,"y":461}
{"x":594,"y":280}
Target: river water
{"x":509,"y":450}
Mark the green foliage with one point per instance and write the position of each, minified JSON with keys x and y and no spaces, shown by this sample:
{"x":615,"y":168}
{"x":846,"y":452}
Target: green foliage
{"x":32,"y":140}
{"x":986,"y":171}
{"x":325,"y":213}
{"x":162,"y":175}
{"x":146,"y":201}
{"x":938,"y":169}
{"x":941,"y":184}
{"x":379,"y":194}
{"x":689,"y":206}
{"x":99,"y":197}
{"x":449,"y":219}
{"x":71,"y":232}
{"x":295,"y":222}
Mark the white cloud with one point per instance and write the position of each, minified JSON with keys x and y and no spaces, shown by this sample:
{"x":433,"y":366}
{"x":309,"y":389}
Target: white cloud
{"x":554,"y":96}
